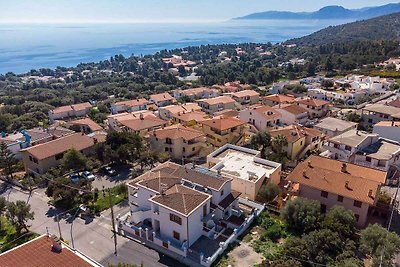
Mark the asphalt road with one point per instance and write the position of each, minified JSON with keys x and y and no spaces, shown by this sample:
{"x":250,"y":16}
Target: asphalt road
{"x":93,"y":238}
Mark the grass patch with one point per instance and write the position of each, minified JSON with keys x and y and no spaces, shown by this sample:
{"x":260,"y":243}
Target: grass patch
{"x":9,"y":237}
{"x":118,"y":194}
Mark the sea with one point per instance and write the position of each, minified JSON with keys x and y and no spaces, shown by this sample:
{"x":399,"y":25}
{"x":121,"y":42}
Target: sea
{"x":33,"y":46}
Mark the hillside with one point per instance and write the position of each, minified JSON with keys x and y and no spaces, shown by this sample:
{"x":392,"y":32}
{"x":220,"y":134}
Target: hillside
{"x":380,"y":28}
{"x":329,"y":12}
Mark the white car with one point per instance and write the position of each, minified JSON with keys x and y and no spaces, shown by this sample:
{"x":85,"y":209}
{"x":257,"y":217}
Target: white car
{"x":88,"y":175}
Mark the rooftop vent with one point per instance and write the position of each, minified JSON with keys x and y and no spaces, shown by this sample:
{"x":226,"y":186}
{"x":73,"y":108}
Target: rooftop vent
{"x":370,"y":193}
{"x":344,"y":167}
{"x":57,"y":245}
{"x":305,"y":174}
{"x":347,"y":184}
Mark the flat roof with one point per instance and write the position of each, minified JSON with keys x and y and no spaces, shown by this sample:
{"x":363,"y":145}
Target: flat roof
{"x":334,"y":124}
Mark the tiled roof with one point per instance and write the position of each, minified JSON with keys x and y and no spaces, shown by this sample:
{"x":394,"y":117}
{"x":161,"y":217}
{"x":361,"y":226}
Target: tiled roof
{"x":294,"y":132}
{"x":39,"y":252}
{"x":267,"y":112}
{"x":133,"y":102}
{"x":245,"y":93}
{"x":62,"y":109}
{"x":280,"y":98}
{"x":187,"y":107}
{"x":394,"y":103}
{"x":60,"y":145}
{"x":161,"y":97}
{"x":181,"y":199}
{"x":89,"y":122}
{"x":198,"y":116}
{"x":177,"y":131}
{"x":294,"y":109}
{"x":312,"y":102}
{"x":388,"y":123}
{"x":147,"y":122}
{"x":81,"y":106}
{"x":223,"y":123}
{"x":327,"y":175}
{"x":229,"y":199}
{"x":217,"y":100}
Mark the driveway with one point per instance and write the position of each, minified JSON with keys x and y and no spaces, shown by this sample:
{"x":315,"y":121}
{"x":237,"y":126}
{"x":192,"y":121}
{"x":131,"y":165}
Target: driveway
{"x":94,"y":238}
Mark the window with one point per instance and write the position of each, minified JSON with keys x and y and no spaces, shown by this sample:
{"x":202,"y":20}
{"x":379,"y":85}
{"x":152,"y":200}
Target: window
{"x":30,"y":158}
{"x":35,"y":160}
{"x":340,"y":198}
{"x":166,"y":149}
{"x":324,"y":194}
{"x":176,"y":219}
{"x":193,"y":148}
{"x":336,"y":145}
{"x":205,"y":210}
{"x":176,"y":235}
{"x":348,"y":148}
{"x":168,"y":141}
{"x":222,"y":192}
{"x":357,"y":217}
{"x":368,"y":159}
{"x":357,"y":204}
{"x":165,"y":244}
{"x":183,"y":149}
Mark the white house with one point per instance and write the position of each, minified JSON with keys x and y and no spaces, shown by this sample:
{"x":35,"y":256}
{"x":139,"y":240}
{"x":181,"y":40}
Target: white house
{"x":292,"y":114}
{"x":261,"y":116}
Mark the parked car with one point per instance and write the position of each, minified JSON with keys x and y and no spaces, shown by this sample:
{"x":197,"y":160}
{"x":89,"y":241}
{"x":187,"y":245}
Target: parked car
{"x":74,"y":177}
{"x":88,"y":175}
{"x":110,"y":171}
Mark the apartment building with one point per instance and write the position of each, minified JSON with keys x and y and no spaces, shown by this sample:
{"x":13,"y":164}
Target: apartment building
{"x":261,"y":116}
{"x":178,"y":141}
{"x":375,"y":113}
{"x":292,"y":114}
{"x":221,"y":130}
{"x":69,"y":111}
{"x":333,"y":127}
{"x":316,"y":108}
{"x":129,"y":105}
{"x":216,"y":104}
{"x":333,"y":182}
{"x":162,"y":100}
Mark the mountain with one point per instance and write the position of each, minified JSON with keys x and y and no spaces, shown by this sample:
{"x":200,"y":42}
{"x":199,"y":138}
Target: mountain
{"x":381,"y":28}
{"x":329,"y":12}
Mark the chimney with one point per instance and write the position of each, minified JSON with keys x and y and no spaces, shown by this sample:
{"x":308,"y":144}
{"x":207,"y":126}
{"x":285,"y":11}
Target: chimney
{"x":344,"y":167}
{"x":95,"y":140}
{"x":57,"y":245}
{"x":347,"y":185}
{"x":392,"y":123}
{"x":305,"y":174}
{"x":370,"y":193}
{"x":309,"y":164}
{"x":141,"y":116}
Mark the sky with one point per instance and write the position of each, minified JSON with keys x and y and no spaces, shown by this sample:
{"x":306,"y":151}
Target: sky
{"x":61,"y":11}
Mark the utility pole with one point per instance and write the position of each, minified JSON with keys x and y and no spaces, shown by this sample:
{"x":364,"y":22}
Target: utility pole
{"x":113,"y":222}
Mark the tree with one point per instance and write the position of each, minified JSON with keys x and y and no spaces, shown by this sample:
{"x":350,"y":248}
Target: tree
{"x":340,"y":220}
{"x":296,"y":247}
{"x":380,"y":244}
{"x":261,"y":140}
{"x":74,"y":160}
{"x":279,"y":142}
{"x":7,"y":161}
{"x":3,"y":207}
{"x":323,"y":245}
{"x":302,"y":215}
{"x":287,"y":262}
{"x":268,"y":192}
{"x":327,"y":83}
{"x":19,"y":213}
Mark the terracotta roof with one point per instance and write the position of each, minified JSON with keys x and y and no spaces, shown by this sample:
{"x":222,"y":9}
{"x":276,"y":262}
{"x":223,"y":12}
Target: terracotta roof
{"x":76,"y":107}
{"x":196,"y":91}
{"x":294,"y":132}
{"x":161,"y":97}
{"x":147,"y":122}
{"x":394,"y":103}
{"x":89,"y":122}
{"x":39,"y":252}
{"x":223,"y":123}
{"x":60,"y":145}
{"x":227,"y":113}
{"x":267,"y":112}
{"x":388,"y":123}
{"x":217,"y":100}
{"x":81,"y":106}
{"x":62,"y":109}
{"x":280,"y":98}
{"x":181,"y":199}
{"x":245,"y":93}
{"x":176,"y":132}
{"x":312,"y":102}
{"x":327,"y":175}
{"x":229,"y":199}
{"x":133,"y":102}
{"x":294,"y":109}
{"x":187,"y":107}
{"x":198,"y":116}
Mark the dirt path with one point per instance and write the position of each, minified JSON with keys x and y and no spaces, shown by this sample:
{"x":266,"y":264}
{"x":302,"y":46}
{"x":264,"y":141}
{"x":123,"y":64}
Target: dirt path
{"x":244,"y":256}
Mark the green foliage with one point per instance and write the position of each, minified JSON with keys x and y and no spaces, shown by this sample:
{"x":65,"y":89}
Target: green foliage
{"x":282,"y":263}
{"x":268,"y":192}
{"x":380,"y":244}
{"x":74,"y":160}
{"x":341,"y":220}
{"x":8,"y":162}
{"x":118,"y":194}
{"x":302,"y":215}
{"x":19,"y":213}
{"x":279,"y":142}
{"x":295,"y":88}
{"x":261,"y":141}
{"x":354,"y":117}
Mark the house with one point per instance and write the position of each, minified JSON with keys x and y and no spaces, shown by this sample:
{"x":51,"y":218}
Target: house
{"x":38,"y":159}
{"x":69,"y":111}
{"x":332,"y":127}
{"x":292,"y":114}
{"x":245,"y":167}
{"x":278,"y":88}
{"x":196,"y":93}
{"x":394,"y":103}
{"x":190,"y":119}
{"x":129,"y":105}
{"x":27,"y":138}
{"x":162,"y":100}
{"x":300,"y":140}
{"x":333,"y":182}
{"x":375,"y":113}
{"x":87,"y":125}
{"x":167,"y":112}
{"x":178,"y":141}
{"x":316,"y":108}
{"x":260,"y":116}
{"x":344,"y":146}
{"x":184,"y":209}
{"x":46,"y":250}
{"x":212,"y":105}
{"x":221,"y":130}
{"x":388,"y":130}
{"x":278,"y":99}
{"x":246,"y":97}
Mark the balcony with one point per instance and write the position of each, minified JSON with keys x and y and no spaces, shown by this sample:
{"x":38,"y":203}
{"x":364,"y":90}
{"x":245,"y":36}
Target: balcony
{"x":141,"y":215}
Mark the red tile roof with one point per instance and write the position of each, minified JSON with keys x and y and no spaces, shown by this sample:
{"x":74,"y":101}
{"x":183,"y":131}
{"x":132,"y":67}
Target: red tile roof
{"x":176,"y":132}
{"x":223,"y":123}
{"x":280,"y":98}
{"x":161,"y":97}
{"x":312,"y":102}
{"x":147,"y":122}
{"x":133,"y":102}
{"x":89,"y":122}
{"x":217,"y":100}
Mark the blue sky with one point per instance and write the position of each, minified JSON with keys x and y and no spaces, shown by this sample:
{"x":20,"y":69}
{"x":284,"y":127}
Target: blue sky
{"x":154,"y":10}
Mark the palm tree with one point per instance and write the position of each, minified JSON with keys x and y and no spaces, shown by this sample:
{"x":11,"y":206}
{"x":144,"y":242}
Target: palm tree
{"x":279,"y":142}
{"x":261,"y":141}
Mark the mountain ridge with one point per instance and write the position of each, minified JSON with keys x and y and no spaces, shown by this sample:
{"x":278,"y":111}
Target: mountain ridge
{"x":327,"y":12}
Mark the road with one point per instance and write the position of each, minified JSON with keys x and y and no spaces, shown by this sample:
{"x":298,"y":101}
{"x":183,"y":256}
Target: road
{"x":93,"y":238}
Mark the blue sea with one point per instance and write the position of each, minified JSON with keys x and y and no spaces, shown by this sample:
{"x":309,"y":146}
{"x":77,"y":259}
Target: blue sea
{"x":24,"y":47}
